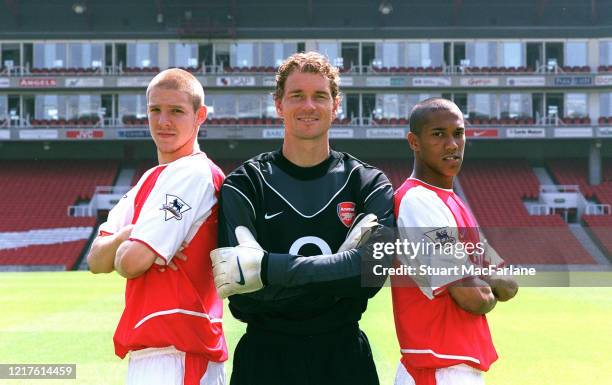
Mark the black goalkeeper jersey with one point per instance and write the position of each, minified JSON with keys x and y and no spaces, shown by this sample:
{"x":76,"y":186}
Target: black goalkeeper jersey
{"x":296,"y":213}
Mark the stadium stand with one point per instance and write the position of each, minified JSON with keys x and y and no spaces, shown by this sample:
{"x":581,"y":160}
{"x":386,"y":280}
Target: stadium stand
{"x":227,"y":165}
{"x":495,"y":190}
{"x":574,"y":171}
{"x":252,"y":121}
{"x":132,"y":120}
{"x":604,"y":68}
{"x":36,"y":194}
{"x":396,"y":170}
{"x":85,"y":121}
{"x":500,"y":70}
{"x":65,"y":254}
{"x":251,"y":69}
{"x":65,"y":71}
{"x":601,"y":228}
{"x":407,"y":70}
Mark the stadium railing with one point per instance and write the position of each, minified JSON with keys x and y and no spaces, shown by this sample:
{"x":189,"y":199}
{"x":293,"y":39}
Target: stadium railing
{"x":203,"y":68}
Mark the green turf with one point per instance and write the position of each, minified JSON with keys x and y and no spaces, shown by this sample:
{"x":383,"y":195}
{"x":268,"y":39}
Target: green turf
{"x":545,"y":336}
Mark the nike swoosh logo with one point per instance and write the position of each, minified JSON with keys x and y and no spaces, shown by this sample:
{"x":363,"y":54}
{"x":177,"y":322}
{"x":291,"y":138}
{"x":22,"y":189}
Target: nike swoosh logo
{"x":266,"y":216}
{"x":241,"y":281}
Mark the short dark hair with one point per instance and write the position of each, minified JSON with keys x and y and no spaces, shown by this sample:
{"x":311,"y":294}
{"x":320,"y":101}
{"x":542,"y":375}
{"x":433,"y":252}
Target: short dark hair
{"x":309,"y":62}
{"x":421,"y":111}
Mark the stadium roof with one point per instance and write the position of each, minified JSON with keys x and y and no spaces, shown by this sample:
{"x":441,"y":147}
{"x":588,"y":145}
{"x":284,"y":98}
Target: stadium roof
{"x":295,"y":19}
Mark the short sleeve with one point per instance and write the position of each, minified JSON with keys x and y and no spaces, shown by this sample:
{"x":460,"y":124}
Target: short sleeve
{"x":120,"y":216}
{"x":428,"y":225}
{"x":180,"y":201}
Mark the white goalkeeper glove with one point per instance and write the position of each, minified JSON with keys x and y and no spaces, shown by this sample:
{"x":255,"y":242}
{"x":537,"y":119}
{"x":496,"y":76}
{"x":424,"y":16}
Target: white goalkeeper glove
{"x":237,"y":269}
{"x":360,"y":233}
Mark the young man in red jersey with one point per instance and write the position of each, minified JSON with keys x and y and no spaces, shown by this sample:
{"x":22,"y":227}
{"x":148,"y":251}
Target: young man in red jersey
{"x":440,"y":321}
{"x":171,"y":324}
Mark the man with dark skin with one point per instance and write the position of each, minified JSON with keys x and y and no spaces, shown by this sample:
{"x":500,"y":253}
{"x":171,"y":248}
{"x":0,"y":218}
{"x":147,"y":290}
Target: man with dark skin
{"x":443,"y":333}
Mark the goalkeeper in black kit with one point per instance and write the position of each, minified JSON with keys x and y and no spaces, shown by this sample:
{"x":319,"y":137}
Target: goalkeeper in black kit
{"x":293,"y":223}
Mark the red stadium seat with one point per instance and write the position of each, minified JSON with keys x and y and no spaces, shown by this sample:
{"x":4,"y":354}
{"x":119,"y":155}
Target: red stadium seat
{"x":575,"y":171}
{"x":65,"y":181}
{"x":495,"y":190}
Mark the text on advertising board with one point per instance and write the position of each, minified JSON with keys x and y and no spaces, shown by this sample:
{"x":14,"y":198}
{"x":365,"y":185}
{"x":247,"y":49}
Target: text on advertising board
{"x":133,"y":133}
{"x":85,"y":134}
{"x":424,"y":81}
{"x":37,"y":83}
{"x":573,"y":81}
{"x":524,"y":132}
{"x":481,"y":133}
{"x":480,"y":82}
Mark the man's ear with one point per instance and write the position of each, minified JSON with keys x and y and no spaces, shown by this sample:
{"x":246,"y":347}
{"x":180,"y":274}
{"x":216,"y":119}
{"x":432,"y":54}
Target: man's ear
{"x":413,"y":141}
{"x":201,"y":115}
{"x":336,"y":105}
{"x":279,"y":107}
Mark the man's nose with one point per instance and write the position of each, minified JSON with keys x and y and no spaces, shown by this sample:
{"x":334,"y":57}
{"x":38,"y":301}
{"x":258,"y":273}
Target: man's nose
{"x":163,"y":119}
{"x":452,"y":143}
{"x":309,"y":104}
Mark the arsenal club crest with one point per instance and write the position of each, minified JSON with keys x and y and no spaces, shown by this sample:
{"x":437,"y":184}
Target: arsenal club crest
{"x":346,"y":213}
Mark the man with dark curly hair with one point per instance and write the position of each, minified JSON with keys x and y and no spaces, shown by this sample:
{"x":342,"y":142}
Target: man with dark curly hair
{"x":292,"y":222}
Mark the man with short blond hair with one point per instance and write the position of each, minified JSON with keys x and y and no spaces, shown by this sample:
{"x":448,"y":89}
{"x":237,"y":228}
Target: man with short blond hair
{"x":291,"y":222}
{"x":179,"y":80}
{"x":171,"y":325}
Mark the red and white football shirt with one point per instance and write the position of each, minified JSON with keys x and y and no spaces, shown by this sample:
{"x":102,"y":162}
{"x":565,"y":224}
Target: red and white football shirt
{"x":433,"y":331}
{"x":171,"y":204}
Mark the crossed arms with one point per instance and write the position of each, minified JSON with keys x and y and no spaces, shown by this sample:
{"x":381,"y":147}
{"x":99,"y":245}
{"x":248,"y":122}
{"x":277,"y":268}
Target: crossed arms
{"x":116,"y":252}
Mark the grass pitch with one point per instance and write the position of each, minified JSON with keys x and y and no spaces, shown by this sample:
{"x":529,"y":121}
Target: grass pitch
{"x":544,"y":336}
